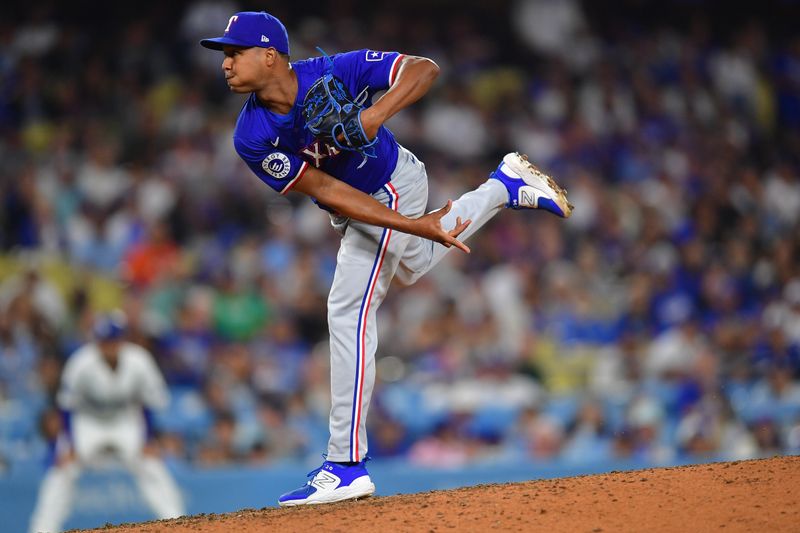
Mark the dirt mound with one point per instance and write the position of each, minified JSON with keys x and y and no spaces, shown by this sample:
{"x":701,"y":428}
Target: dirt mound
{"x":758,"y":496}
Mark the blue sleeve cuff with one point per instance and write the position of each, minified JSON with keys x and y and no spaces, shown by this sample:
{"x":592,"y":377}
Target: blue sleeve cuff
{"x":149,"y":423}
{"x":66,"y":422}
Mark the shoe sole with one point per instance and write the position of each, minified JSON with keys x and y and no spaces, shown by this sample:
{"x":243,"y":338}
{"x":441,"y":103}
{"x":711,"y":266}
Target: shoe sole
{"x":353,"y":492}
{"x":521,"y":165}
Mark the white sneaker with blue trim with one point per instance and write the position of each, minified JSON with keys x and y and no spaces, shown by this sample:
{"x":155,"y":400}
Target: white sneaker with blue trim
{"x":530,"y":188}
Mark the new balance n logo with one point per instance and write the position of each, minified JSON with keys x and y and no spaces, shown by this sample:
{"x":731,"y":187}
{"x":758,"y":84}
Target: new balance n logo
{"x":325,"y":480}
{"x":527,"y":197}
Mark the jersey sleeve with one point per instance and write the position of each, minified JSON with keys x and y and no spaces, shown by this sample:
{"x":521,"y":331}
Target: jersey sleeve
{"x":372,"y":68}
{"x":69,"y":393}
{"x":278,"y":169}
{"x":154,"y":393}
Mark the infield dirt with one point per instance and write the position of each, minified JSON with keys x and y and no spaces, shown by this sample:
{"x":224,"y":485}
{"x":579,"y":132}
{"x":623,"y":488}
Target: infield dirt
{"x":758,"y":496}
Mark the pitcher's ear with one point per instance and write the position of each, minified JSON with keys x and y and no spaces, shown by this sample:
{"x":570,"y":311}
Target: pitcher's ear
{"x":270,"y":56}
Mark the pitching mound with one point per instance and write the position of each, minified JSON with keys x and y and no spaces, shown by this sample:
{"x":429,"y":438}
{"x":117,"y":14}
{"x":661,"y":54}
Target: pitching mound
{"x":758,"y":496}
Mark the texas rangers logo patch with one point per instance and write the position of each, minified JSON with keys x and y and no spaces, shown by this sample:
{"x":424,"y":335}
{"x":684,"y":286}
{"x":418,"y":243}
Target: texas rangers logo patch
{"x":277,"y":165}
{"x":372,"y":55}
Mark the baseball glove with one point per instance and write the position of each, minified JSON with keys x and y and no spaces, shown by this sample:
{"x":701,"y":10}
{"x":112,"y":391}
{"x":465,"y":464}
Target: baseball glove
{"x":334,"y":117}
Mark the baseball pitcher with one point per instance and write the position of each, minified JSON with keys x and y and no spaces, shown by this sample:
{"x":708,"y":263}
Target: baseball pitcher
{"x":311,"y":126}
{"x":108,"y":388}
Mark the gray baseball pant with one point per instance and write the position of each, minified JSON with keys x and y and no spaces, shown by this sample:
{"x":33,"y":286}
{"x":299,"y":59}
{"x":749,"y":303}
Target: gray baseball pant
{"x":369,"y":257}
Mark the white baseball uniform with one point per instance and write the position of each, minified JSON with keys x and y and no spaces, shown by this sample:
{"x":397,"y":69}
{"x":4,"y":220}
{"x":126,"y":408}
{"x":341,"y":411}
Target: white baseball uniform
{"x":107,"y":413}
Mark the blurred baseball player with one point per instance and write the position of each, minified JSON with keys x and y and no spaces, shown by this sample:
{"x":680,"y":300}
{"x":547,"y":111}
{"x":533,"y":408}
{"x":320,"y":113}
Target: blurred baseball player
{"x":375,"y":190}
{"x":107,"y":389}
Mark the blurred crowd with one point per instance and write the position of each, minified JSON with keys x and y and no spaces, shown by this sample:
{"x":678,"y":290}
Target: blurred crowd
{"x":660,"y":322}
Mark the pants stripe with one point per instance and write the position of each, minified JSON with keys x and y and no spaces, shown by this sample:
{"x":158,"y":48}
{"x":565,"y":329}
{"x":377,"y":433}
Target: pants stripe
{"x":361,"y":329}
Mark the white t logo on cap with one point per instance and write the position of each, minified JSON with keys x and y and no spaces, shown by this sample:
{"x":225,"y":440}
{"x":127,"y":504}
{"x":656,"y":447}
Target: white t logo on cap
{"x":231,"y":21}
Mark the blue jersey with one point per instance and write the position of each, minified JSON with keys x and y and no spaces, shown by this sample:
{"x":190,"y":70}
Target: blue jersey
{"x":278,"y":148}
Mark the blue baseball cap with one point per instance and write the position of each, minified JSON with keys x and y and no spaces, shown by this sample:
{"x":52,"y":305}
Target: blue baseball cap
{"x":109,"y":326}
{"x":252,"y":28}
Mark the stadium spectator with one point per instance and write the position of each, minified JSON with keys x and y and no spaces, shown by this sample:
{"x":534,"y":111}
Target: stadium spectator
{"x":676,"y":279}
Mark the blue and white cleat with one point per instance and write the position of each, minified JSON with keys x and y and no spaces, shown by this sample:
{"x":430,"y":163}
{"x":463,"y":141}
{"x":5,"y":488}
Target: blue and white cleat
{"x":332,"y":482}
{"x":530,"y":188}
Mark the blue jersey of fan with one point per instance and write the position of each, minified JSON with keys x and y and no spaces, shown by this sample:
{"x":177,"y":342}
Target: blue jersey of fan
{"x":279,"y":148}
